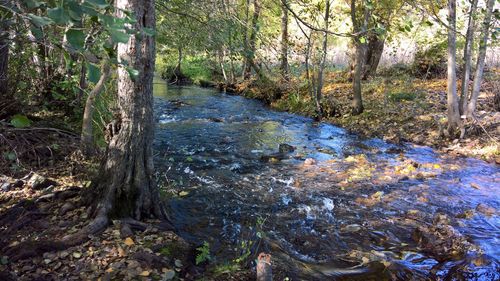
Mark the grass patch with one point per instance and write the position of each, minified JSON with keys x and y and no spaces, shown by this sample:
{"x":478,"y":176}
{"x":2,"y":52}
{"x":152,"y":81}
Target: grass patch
{"x":402,"y":96}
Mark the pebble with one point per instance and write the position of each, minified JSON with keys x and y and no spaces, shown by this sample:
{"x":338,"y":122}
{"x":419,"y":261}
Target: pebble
{"x":309,"y":162}
{"x":485,"y":209}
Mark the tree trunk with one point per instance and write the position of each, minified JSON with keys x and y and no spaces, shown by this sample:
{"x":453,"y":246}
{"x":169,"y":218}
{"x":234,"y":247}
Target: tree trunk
{"x":250,"y":55}
{"x":87,"y":139}
{"x":469,"y":42}
{"x":358,"y":30}
{"x":126,"y":184}
{"x":322,"y":63}
{"x":4,"y":63}
{"x":453,"y":111}
{"x":178,"y":70}
{"x":246,"y":51}
{"x":7,"y":103}
{"x":373,"y":55}
{"x":284,"y":41}
{"x":481,"y":57}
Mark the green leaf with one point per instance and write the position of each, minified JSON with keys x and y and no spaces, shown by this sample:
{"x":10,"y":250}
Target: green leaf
{"x":10,"y":155}
{"x":134,"y":73}
{"x":89,"y":9}
{"x":118,"y":36}
{"x":93,"y":72}
{"x":39,"y":21}
{"x":362,"y":40}
{"x":20,"y":121}
{"x":32,"y":4}
{"x":101,"y":4}
{"x":58,"y":15}
{"x":76,"y":38}
{"x":75,"y":11}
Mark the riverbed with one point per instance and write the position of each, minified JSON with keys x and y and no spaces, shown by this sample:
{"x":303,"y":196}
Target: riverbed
{"x":327,"y":204}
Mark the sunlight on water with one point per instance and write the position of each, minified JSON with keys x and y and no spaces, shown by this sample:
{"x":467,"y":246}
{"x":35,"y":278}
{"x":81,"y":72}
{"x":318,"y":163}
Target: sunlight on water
{"x":361,"y":209}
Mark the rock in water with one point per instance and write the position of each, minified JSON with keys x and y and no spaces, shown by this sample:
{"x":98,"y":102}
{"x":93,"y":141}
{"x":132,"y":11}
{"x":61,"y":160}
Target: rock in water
{"x":309,"y":162}
{"x":286,"y":148}
{"x":264,"y":270}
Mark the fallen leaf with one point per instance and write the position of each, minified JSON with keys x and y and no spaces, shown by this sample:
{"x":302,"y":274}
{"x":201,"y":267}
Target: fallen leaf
{"x":145,"y":273}
{"x":128,"y":241}
{"x":121,"y":252}
{"x":77,"y":255}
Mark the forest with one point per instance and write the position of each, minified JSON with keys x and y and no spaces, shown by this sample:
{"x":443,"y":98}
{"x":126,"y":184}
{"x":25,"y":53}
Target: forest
{"x":249,"y":140}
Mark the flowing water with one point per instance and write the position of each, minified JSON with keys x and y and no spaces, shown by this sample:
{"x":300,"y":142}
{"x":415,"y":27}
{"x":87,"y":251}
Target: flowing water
{"x":337,"y":207}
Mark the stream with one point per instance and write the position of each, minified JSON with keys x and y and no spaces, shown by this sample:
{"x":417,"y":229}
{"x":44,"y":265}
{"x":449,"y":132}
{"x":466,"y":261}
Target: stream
{"x":327,"y":204}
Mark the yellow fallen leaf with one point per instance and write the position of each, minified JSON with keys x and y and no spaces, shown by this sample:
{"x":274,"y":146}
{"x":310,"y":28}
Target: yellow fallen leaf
{"x":109,"y":270}
{"x":437,"y":166}
{"x":128,"y":241}
{"x":121,"y":252}
{"x":145,"y":273}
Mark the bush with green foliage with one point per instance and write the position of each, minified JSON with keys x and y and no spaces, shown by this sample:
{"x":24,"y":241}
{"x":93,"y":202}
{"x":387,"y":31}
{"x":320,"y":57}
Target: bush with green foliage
{"x":430,"y":61}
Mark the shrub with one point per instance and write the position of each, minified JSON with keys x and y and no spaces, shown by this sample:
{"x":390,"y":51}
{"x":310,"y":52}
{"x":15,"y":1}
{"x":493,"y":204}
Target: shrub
{"x":431,"y":61}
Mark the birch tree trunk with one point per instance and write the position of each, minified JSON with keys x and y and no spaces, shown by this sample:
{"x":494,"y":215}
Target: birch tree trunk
{"x":481,"y":57}
{"x":453,"y":111}
{"x":284,"y":41}
{"x":469,"y":42}
{"x":126,"y":184}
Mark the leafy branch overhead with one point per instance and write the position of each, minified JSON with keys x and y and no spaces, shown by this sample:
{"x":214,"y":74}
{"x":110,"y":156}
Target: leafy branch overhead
{"x":91,"y":28}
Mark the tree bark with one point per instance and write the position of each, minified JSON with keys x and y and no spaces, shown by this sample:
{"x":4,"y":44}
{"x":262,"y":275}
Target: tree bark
{"x":178,"y":70}
{"x":469,"y":42}
{"x":284,"y":41}
{"x":481,"y":58}
{"x":374,"y":51}
{"x":246,"y":51}
{"x":126,"y":184}
{"x":8,"y":104}
{"x":322,"y":63}
{"x":250,"y":55}
{"x":87,"y":136}
{"x":358,"y":30}
{"x":4,"y":63}
{"x":453,"y":111}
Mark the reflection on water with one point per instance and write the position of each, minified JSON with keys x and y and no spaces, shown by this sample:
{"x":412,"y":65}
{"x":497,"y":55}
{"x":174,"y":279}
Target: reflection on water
{"x":363,"y":210}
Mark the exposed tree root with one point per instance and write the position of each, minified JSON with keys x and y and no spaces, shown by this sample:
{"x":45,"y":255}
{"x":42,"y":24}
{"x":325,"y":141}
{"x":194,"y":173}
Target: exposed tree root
{"x":30,"y":249}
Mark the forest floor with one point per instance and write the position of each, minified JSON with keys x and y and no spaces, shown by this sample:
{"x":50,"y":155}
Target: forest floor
{"x":41,"y":199}
{"x":398,"y":108}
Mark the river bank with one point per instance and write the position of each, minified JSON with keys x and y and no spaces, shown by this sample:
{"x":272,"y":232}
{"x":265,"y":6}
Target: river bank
{"x":397,"y":109}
